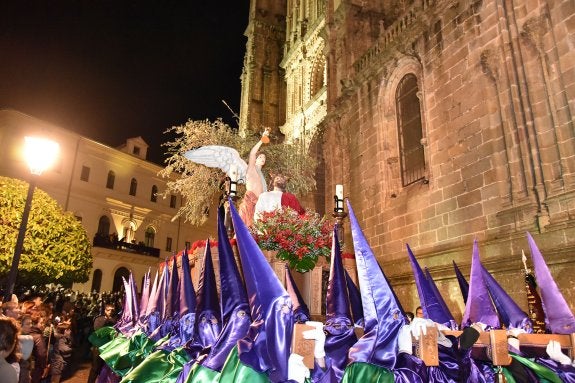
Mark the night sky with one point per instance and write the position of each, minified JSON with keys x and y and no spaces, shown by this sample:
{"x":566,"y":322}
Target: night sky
{"x":115,"y":69}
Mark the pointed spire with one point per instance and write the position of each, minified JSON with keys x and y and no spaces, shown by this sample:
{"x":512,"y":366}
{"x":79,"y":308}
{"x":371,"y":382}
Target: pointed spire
{"x":300,"y":309}
{"x":267,"y":345}
{"x":511,"y":315}
{"x":382,"y":314}
{"x":234,"y":302}
{"x":463,"y":285}
{"x":558,"y":317}
{"x":479,"y":307}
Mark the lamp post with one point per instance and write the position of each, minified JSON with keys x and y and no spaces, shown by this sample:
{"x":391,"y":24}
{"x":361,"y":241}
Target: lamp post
{"x":40,"y":154}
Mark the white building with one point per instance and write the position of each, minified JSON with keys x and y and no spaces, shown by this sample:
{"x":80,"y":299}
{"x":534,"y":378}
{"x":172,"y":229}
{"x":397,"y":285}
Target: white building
{"x":113,"y":191}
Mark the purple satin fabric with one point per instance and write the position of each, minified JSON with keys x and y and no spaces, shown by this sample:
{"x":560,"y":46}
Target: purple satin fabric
{"x":340,"y":337}
{"x":511,"y":314}
{"x":236,"y":328}
{"x":565,"y":372}
{"x":558,"y":316}
{"x":209,"y":327}
{"x":479,"y":307}
{"x":354,"y":300}
{"x":410,"y":369}
{"x":383,"y":314}
{"x":319,"y":375}
{"x":182,"y":331}
{"x":448,"y":360}
{"x":472,"y":371}
{"x":266,"y":347}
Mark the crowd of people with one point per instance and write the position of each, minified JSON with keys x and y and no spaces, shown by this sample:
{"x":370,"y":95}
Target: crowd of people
{"x":44,"y":332}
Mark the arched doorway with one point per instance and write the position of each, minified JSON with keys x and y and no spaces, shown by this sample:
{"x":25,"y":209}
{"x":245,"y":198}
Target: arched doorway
{"x":118,"y":284}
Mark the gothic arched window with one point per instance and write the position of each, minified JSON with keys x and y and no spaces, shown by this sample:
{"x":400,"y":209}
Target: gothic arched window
{"x":410,"y":131}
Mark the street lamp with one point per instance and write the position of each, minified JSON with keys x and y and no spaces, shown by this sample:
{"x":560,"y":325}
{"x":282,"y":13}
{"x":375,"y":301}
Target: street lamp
{"x":40,"y":154}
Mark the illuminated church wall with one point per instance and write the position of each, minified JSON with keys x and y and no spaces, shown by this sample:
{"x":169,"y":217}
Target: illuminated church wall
{"x":445,"y":121}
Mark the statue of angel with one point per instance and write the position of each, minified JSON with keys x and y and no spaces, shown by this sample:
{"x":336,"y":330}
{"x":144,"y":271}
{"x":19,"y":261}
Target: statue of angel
{"x":229,"y":161}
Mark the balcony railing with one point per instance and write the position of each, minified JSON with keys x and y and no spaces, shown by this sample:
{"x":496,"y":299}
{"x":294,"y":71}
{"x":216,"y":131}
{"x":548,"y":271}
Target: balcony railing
{"x":108,"y":243}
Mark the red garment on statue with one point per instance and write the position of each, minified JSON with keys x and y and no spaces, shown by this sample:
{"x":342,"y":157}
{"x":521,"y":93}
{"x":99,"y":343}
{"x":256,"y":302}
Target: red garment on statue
{"x":290,"y":200}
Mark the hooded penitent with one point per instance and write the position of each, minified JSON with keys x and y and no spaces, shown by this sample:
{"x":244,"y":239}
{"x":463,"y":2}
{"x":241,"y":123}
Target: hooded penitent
{"x":558,"y":317}
{"x":266,"y":348}
{"x":479,"y":307}
{"x":430,"y":303}
{"x":208,"y":314}
{"x":453,"y":325}
{"x":511,"y":315}
{"x":234,"y":302}
{"x":340,"y":334}
{"x":383,"y":317}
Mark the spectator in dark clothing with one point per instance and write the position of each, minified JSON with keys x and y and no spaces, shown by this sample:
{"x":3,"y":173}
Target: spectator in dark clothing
{"x":40,"y":350}
{"x":62,"y":351}
{"x":103,"y":320}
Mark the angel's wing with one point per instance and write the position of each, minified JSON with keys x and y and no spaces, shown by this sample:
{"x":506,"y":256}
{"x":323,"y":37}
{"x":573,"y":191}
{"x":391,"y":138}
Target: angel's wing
{"x":216,"y":156}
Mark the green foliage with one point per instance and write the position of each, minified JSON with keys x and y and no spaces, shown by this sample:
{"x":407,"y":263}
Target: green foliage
{"x":56,"y":246}
{"x":200,"y":185}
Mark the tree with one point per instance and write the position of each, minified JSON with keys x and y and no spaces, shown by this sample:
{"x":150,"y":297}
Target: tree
{"x":56,"y":246}
{"x":200,"y":185}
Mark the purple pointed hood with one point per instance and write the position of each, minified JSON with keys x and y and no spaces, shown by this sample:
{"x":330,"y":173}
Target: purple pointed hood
{"x":340,"y":334}
{"x":558,"y":317}
{"x":300,"y":309}
{"x":156,"y":303}
{"x":451,"y":323}
{"x":431,"y":305}
{"x":145,"y":295}
{"x":135,"y":309}
{"x":266,"y":348}
{"x":187,"y":292}
{"x":382,"y":314}
{"x":354,"y":299}
{"x":479,"y":307}
{"x":511,"y":315}
{"x":172,"y":304}
{"x":234,"y":302}
{"x":208,"y":314}
{"x":124,"y":324}
{"x":463,"y":285}
{"x":151,"y":306}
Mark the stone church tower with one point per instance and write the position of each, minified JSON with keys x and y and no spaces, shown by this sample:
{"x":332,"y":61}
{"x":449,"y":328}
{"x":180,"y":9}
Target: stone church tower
{"x":445,"y":120}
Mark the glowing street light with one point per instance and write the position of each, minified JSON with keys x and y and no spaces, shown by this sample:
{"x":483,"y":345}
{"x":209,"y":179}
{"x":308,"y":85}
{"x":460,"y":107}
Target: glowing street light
{"x":40,"y":154}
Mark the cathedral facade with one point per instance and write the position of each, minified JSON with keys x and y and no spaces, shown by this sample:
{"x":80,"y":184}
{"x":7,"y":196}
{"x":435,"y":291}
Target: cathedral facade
{"x":446,"y":121}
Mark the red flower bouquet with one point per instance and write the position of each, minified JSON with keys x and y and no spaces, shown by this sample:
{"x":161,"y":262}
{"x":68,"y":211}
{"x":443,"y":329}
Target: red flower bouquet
{"x":299,"y":239}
